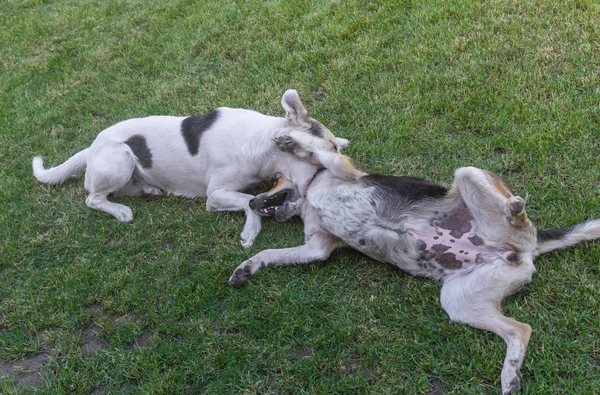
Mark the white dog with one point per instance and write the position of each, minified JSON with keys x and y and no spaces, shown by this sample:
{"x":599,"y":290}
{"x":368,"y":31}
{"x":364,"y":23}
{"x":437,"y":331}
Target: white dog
{"x":215,"y":155}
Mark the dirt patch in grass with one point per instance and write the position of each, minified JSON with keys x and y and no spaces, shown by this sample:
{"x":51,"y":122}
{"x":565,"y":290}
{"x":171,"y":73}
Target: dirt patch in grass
{"x":304,"y":352}
{"x":142,"y":341}
{"x":356,"y":366}
{"x":437,"y":387}
{"x":24,"y":371}
{"x":91,"y":342}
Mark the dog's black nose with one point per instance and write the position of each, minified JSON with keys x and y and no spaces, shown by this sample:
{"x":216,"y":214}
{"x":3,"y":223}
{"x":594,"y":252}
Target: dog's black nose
{"x":251,"y":203}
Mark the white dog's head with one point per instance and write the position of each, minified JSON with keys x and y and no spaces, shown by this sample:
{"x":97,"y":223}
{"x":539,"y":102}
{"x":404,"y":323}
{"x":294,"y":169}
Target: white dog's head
{"x":285,"y":199}
{"x":297,"y":118}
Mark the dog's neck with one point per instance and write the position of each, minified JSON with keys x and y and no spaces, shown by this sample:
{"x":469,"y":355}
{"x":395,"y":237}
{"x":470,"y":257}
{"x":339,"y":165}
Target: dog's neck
{"x":298,"y":171}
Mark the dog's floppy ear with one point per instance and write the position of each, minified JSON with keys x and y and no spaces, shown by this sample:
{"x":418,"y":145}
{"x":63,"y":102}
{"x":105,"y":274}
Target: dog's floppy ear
{"x":294,"y":110}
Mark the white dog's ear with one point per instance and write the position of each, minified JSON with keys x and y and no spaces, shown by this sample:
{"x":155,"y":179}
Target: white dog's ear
{"x":294,"y":110}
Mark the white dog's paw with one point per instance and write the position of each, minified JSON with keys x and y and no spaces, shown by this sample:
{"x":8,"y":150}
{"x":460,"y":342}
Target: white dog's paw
{"x":243,"y":272}
{"x":246,"y":242}
{"x":342,"y":143}
{"x":150,"y":190}
{"x":251,"y":229}
{"x":123,"y":214}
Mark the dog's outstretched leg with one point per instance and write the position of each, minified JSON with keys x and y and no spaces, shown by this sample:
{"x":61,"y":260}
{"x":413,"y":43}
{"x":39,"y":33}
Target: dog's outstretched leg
{"x":318,"y":245}
{"x":317,"y":248}
{"x":474,"y":299}
{"x":109,"y":169}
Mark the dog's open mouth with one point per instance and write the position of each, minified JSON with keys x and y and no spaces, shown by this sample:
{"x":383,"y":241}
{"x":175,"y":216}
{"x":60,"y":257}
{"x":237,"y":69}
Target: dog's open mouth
{"x":270,"y":205}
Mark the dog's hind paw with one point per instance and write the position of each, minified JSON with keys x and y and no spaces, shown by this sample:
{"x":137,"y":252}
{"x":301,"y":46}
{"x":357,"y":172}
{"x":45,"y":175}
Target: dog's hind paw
{"x":515,"y":211}
{"x":150,"y":190}
{"x":511,"y":382}
{"x":512,"y":387}
{"x":342,"y":143}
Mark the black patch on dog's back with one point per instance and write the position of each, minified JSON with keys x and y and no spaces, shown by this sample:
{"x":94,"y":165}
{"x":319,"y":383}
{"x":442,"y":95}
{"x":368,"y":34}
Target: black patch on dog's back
{"x":315,"y":129}
{"x":193,"y":127}
{"x":138,"y":145}
{"x":409,"y":188}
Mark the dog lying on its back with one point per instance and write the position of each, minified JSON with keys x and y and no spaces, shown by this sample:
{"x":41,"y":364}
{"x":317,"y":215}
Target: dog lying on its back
{"x":215,"y":155}
{"x":476,"y":237}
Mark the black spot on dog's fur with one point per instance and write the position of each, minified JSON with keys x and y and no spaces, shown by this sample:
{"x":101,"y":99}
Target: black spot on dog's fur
{"x":476,"y":241}
{"x":140,"y":149}
{"x":458,"y":223}
{"x":192,"y":129}
{"x":408,"y":188}
{"x":448,"y":260}
{"x":315,"y":129}
{"x":439,"y":248}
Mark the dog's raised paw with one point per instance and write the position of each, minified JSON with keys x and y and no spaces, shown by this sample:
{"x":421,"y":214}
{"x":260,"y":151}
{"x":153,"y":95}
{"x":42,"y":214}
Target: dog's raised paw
{"x":516,"y":206}
{"x":286,"y":144}
{"x":515,"y":211}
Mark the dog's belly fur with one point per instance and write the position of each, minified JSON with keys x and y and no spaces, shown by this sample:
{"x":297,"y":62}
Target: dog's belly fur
{"x":425,"y":242}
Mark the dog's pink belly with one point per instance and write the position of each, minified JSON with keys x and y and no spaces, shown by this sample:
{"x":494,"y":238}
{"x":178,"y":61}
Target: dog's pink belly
{"x":449,"y":248}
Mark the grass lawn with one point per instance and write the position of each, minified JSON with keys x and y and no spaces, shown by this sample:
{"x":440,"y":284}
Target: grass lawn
{"x":91,"y":305}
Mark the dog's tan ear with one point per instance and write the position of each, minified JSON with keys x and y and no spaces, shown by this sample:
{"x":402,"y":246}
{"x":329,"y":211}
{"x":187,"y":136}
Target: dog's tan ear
{"x":294,"y":110}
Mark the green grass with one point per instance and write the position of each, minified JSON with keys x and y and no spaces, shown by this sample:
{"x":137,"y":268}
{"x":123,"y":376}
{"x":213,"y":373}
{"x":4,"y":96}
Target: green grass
{"x":420,"y":87}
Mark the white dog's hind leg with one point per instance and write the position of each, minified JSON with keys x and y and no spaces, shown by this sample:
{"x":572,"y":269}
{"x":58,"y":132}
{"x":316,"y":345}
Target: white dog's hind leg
{"x":222,"y":199}
{"x":109,"y":169}
{"x":136,"y":188}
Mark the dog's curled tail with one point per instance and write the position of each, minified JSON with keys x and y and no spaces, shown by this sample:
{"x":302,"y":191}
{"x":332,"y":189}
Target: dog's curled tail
{"x":549,"y":240}
{"x":58,"y":174}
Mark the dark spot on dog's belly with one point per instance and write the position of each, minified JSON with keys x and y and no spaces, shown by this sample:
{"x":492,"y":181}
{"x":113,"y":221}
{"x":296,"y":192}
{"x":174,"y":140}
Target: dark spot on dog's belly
{"x":362,"y":242}
{"x":140,"y":149}
{"x":421,"y":245}
{"x":439,"y":248}
{"x":458,"y":223}
{"x":448,"y":261}
{"x":476,"y":241}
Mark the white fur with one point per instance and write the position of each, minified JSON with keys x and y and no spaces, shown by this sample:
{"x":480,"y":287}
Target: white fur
{"x":237,"y":150}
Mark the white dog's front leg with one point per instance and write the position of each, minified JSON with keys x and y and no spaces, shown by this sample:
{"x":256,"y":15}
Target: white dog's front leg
{"x":318,"y":248}
{"x":228,"y":200}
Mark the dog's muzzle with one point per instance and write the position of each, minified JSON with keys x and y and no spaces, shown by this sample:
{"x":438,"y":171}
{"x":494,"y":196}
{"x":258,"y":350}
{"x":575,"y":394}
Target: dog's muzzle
{"x":282,"y":204}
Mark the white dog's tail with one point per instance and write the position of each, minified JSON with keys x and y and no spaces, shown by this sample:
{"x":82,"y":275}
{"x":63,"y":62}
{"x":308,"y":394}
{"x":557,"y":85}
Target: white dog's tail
{"x":555,"y":239}
{"x":58,"y":174}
